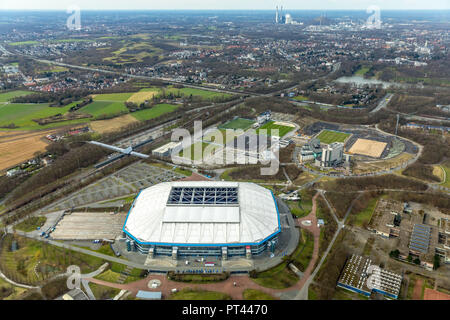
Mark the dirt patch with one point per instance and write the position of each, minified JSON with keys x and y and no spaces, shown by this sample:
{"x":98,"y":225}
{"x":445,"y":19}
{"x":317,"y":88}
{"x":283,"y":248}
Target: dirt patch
{"x":17,"y":147}
{"x":417,"y":293}
{"x":431,"y":294}
{"x":140,"y":97}
{"x":369,"y":148}
{"x":103,"y":126}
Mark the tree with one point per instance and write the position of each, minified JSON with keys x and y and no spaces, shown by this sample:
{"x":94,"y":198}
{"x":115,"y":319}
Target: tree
{"x":394,"y":254}
{"x":417,"y":261}
{"x":436,"y":262}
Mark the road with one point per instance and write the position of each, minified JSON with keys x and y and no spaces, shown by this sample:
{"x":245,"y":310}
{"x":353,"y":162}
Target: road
{"x":383,"y":103}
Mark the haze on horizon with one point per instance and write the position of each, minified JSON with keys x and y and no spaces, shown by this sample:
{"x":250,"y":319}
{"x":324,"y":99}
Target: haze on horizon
{"x":224,"y":5}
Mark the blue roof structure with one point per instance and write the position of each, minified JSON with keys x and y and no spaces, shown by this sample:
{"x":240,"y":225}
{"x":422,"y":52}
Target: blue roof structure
{"x":420,"y":238}
{"x":149,"y":295}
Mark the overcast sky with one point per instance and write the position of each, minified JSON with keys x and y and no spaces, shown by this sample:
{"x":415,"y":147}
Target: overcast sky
{"x":225,"y":4}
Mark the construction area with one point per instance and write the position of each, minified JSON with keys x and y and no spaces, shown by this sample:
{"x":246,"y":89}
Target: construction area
{"x":89,"y":226}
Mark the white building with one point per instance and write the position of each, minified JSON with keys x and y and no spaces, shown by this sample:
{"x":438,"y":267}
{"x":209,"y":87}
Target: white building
{"x":332,"y":154}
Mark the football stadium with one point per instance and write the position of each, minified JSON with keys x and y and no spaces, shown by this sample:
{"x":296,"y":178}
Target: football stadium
{"x":203,"y":218}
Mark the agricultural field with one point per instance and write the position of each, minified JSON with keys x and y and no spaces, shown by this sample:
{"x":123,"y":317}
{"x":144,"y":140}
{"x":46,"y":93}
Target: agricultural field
{"x":154,"y":112}
{"x":104,"y":108}
{"x":133,"y":53}
{"x":143,"y":95}
{"x":270,"y":126}
{"x":22,"y":115}
{"x":6,"y":96}
{"x":204,"y":94}
{"x":17,"y":147}
{"x":115,"y":124}
{"x":238,"y":123}
{"x":328,"y":137}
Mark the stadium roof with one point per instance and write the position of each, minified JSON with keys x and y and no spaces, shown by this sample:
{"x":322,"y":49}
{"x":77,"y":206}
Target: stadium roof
{"x":203,"y":213}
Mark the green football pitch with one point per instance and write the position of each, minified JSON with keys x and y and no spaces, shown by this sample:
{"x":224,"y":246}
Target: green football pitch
{"x":238,"y":123}
{"x":328,"y":136}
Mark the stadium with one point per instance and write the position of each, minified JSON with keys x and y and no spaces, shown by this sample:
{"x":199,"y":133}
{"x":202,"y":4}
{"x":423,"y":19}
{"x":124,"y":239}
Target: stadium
{"x":203,"y":218}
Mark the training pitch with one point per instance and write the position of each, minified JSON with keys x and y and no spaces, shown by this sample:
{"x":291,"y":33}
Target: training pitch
{"x":328,"y":136}
{"x":238,"y":123}
{"x":369,"y":148}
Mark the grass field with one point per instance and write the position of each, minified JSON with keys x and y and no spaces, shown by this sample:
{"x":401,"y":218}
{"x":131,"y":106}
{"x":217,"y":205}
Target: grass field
{"x":205,"y":94}
{"x":191,"y":294}
{"x":143,"y":95}
{"x":104,"y":108}
{"x":154,"y":112}
{"x":31,"y":224}
{"x":113,"y":97}
{"x":102,"y":126}
{"x":238,"y":123}
{"x":446,"y":167}
{"x":270,"y":126}
{"x":23,"y":43}
{"x":252,"y":294}
{"x":364,"y":216}
{"x":327,"y":136}
{"x":362,"y":71}
{"x":278,"y":277}
{"x":22,"y":115}
{"x":304,"y":252}
{"x":300,"y":98}
{"x":6,"y":96}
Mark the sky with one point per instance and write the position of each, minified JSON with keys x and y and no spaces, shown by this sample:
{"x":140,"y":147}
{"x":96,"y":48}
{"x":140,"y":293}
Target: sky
{"x":224,"y":5}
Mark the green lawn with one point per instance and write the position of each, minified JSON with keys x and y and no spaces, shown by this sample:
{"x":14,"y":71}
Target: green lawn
{"x":362,"y":71}
{"x":113,"y":97}
{"x":328,"y":136}
{"x":252,"y":294}
{"x":22,"y":115}
{"x":190,"y":294}
{"x":238,"y":123}
{"x":304,"y":251}
{"x":102,"y":108}
{"x":279,"y":277}
{"x":364,"y":216}
{"x":300,"y":98}
{"x":270,"y":126}
{"x":6,"y":96}
{"x":446,"y":168}
{"x":154,"y":112}
{"x":23,"y":43}
{"x":31,"y":224}
{"x":205,"y":94}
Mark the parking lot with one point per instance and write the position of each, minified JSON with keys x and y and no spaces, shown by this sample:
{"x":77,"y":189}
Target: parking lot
{"x":89,"y":226}
{"x":127,"y":181}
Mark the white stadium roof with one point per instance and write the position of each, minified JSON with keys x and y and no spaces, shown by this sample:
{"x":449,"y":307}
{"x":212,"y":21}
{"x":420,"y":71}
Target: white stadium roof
{"x":203,"y":213}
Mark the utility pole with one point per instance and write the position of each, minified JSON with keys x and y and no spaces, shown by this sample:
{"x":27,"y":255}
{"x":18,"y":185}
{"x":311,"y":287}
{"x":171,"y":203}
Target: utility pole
{"x":396,"y":127}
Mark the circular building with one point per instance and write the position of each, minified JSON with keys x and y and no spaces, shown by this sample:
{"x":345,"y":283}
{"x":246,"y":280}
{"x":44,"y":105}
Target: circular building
{"x":198,"y":218}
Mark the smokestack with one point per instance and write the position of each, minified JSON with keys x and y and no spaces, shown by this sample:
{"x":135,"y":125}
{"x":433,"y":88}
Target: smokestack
{"x":282,"y":17}
{"x":276,"y":16}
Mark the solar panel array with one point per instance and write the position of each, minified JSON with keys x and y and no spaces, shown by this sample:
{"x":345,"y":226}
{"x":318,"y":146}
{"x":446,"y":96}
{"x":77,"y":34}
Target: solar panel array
{"x":420,"y":238}
{"x":223,"y":196}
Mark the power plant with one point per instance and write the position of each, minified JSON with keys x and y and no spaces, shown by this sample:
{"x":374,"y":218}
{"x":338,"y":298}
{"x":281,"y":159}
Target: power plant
{"x":281,"y":18}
